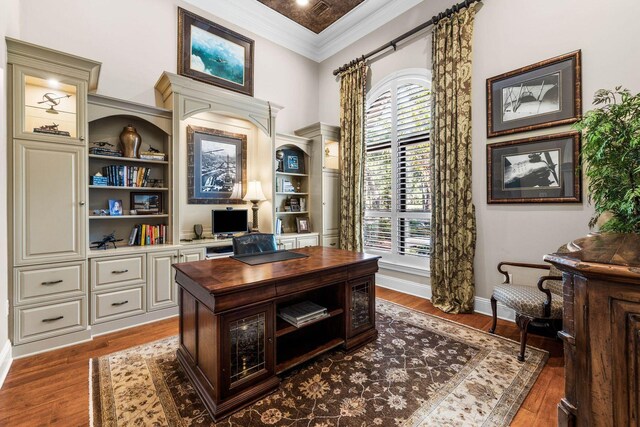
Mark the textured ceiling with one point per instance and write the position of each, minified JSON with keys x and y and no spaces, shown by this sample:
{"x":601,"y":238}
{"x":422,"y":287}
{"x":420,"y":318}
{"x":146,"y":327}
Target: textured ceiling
{"x":317,"y":15}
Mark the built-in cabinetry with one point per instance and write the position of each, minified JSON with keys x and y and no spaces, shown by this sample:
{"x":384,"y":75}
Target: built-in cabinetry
{"x":47,"y":192}
{"x":601,"y":330}
{"x":325,"y":190}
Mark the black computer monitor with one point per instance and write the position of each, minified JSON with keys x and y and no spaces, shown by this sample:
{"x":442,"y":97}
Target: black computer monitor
{"x":229,"y":221}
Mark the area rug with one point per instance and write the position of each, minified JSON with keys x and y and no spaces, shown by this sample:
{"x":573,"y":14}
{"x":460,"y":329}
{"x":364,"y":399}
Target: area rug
{"x":421,"y":371}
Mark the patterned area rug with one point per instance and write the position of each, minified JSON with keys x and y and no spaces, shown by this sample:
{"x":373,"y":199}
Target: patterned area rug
{"x":422,"y":371}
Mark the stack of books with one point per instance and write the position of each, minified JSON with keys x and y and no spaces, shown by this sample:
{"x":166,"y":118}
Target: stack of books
{"x":152,"y":155}
{"x":302,"y":312}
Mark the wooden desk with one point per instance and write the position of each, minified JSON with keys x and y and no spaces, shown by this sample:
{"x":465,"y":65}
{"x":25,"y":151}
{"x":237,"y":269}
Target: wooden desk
{"x":232,"y":345}
{"x":601,"y":331}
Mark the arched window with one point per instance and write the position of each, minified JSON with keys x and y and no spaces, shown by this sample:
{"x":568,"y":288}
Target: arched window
{"x":397,"y":168}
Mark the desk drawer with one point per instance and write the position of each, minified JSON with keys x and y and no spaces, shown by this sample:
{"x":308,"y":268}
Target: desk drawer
{"x":46,"y":321}
{"x":41,"y":283}
{"x":117,"y":272}
{"x":117,"y":304}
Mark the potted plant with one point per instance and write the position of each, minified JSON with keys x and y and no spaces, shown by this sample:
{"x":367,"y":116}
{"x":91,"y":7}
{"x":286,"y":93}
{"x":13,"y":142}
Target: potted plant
{"x":611,"y":154}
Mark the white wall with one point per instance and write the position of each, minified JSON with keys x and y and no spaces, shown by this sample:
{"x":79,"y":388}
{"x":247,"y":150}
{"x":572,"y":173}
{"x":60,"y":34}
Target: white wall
{"x":9,"y":19}
{"x":510,"y":34}
{"x":137,"y":40}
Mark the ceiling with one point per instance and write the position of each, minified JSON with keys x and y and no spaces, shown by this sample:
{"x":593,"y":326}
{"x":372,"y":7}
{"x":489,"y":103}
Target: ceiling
{"x":317,"y":15}
{"x":362,"y":18}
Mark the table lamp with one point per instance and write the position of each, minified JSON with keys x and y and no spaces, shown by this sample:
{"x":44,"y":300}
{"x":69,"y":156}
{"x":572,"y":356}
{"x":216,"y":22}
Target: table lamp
{"x":254,"y":195}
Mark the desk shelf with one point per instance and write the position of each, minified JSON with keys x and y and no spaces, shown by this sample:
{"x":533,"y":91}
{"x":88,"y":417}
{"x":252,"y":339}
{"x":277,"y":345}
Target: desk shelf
{"x":283,"y":327}
{"x":310,"y":349}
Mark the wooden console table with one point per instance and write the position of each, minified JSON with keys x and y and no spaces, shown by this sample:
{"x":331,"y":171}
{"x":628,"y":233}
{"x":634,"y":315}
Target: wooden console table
{"x":232,"y":344}
{"x":601,"y":331}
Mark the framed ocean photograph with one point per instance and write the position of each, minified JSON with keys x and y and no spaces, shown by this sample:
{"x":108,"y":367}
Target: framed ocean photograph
{"x":214,"y":54}
{"x":216,"y":162}
{"x":541,"y":95}
{"x":542,"y":169}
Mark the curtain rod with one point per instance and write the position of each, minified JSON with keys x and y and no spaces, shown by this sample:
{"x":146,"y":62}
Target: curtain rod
{"x":409,"y":33}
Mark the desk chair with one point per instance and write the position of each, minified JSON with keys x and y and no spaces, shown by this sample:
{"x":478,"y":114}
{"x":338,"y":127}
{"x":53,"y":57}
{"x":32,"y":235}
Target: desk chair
{"x":254,"y":243}
{"x":539,"y":305}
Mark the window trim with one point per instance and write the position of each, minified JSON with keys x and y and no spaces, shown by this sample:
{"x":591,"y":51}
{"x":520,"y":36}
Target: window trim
{"x":392,"y":260}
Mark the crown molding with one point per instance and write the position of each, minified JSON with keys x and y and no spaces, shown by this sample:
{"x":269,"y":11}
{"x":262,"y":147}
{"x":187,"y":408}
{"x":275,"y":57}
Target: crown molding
{"x":266,"y":22}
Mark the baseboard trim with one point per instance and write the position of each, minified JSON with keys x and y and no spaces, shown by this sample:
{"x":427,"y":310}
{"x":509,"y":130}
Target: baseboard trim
{"x":132,"y":322}
{"x":49,"y":344}
{"x":404,"y":286}
{"x":5,"y":361}
{"x":481,"y":305}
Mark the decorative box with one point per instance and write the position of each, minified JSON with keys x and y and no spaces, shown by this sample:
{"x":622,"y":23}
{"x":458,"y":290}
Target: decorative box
{"x":98,"y":180}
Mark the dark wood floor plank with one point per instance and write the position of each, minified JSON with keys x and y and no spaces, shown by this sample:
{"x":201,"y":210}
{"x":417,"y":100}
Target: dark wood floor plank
{"x":51,"y":389}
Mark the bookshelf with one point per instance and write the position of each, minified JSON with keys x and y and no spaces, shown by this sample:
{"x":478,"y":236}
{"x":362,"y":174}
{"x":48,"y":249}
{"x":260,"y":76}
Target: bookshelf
{"x":148,"y":180}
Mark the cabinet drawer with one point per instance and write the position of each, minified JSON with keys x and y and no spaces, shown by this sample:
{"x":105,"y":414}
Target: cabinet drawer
{"x":111,"y":272}
{"x":117,"y":304}
{"x":330,"y":241}
{"x":303,"y":242}
{"x":33,"y":284}
{"x":45,"y":321}
{"x":286,"y":244}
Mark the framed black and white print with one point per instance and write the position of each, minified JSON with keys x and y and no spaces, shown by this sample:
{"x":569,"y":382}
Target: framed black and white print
{"x":542,"y":169}
{"x":216,"y":162}
{"x":537,"y":96}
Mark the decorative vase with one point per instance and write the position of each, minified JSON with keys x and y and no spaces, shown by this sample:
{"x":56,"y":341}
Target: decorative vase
{"x":131,"y":141}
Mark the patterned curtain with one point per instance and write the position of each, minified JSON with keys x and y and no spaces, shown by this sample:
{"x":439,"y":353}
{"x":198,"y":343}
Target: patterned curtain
{"x":453,"y":230}
{"x":352,"y":97}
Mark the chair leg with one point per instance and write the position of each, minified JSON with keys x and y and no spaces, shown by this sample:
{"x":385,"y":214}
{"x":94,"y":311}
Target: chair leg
{"x":523,"y":324}
{"x":494,"y":310}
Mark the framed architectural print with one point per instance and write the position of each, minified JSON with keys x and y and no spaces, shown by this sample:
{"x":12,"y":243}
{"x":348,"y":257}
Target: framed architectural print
{"x":293,"y":161}
{"x":146,"y":203}
{"x":543,"y":169}
{"x":214,"y":54}
{"x":217,"y":161}
{"x":537,"y":96}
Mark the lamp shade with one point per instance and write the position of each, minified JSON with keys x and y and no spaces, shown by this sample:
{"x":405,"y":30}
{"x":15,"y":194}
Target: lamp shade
{"x":237,"y":191}
{"x":254,"y":192}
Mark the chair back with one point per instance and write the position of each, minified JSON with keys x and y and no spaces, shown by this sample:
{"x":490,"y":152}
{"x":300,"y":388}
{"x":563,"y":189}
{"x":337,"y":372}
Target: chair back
{"x":555,"y":286}
{"x":253,"y":243}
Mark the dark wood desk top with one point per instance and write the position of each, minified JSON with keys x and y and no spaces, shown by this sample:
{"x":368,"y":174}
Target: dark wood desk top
{"x":224,"y":275}
{"x":610,"y":254}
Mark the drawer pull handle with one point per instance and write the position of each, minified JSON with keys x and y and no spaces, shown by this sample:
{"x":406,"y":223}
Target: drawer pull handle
{"x":119,"y":271}
{"x":52,"y":319}
{"x":332,"y":244}
{"x":53,"y":282}
{"x":116,"y":304}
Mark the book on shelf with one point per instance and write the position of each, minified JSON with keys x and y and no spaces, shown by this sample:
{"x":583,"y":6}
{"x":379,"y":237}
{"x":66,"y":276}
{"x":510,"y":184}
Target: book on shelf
{"x":278,"y":226}
{"x":302,"y":312}
{"x":152,"y":155}
{"x":126,"y":176}
{"x":147,"y":235}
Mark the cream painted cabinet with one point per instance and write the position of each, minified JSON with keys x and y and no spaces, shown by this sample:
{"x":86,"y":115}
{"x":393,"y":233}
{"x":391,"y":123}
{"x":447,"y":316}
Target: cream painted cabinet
{"x":49,"y":202}
{"x":286,"y":243}
{"x":190,"y":255}
{"x":161,"y":289}
{"x":330,"y":203}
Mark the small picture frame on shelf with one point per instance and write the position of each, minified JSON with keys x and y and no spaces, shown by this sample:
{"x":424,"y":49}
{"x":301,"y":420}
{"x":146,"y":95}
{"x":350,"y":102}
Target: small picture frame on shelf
{"x":295,"y":205}
{"x":146,"y":203}
{"x":115,"y":207}
{"x":302,"y":224}
{"x":293,"y":161}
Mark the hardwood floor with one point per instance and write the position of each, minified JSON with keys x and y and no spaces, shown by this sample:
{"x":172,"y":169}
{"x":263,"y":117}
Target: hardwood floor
{"x":52,"y":388}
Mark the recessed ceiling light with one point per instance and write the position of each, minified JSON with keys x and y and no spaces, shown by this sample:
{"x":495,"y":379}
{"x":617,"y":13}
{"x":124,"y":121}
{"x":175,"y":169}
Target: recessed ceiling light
{"x":302,"y":2}
{"x":53,"y":83}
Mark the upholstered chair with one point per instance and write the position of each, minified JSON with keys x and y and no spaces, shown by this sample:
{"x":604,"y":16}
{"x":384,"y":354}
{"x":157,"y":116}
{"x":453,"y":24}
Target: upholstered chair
{"x":539,"y":305}
{"x":254,"y":243}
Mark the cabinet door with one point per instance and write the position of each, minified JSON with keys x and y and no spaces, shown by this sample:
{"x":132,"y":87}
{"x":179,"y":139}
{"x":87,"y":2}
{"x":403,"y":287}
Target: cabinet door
{"x":248,"y":351}
{"x":306,"y":241}
{"x":49,"y":183}
{"x":287,"y":243}
{"x":162,"y":290}
{"x":190,"y":255}
{"x":361,"y":296}
{"x":49,"y":107}
{"x":330,"y":202}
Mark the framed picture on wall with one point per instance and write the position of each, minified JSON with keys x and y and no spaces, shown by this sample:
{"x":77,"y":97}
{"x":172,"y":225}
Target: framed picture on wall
{"x":216,"y":162}
{"x":537,"y":96}
{"x":214,"y":54}
{"x":542,"y":169}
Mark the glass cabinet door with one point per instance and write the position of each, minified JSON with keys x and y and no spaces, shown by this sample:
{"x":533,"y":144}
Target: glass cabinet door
{"x":331,"y":155}
{"x":361,"y":305}
{"x":249,"y":352}
{"x":48,"y":106}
